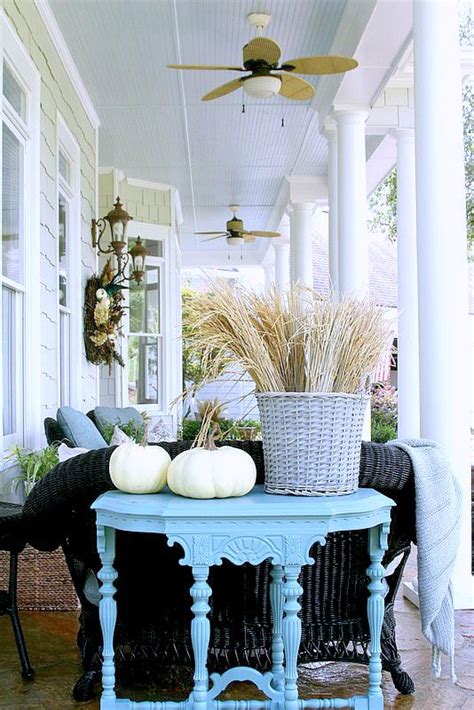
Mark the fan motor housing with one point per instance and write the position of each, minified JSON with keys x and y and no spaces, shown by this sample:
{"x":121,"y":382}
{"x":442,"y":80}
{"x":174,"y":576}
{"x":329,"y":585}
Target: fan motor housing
{"x":235,"y":225}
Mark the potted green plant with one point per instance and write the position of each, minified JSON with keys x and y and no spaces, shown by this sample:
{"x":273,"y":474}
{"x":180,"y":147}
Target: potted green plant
{"x":33,"y":465}
{"x":310,"y":358}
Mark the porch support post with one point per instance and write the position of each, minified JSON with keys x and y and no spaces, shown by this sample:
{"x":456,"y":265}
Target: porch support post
{"x":281,"y":247}
{"x":269,"y":274}
{"x":301,"y":246}
{"x":442,"y":263}
{"x":353,"y":252}
{"x":353,"y":242}
{"x":331,"y":135}
{"x":408,"y":359}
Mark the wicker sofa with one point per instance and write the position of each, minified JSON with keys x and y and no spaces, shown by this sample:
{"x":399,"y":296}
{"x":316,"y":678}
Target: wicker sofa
{"x":152,"y":632}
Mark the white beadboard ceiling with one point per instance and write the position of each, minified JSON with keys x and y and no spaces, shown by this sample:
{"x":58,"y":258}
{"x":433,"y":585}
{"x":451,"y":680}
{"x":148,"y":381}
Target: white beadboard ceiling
{"x":153,"y":124}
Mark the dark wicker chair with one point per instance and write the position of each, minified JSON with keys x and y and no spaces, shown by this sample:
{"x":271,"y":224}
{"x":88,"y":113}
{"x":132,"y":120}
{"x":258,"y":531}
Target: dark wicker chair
{"x":152,"y":631}
{"x":12,"y":540}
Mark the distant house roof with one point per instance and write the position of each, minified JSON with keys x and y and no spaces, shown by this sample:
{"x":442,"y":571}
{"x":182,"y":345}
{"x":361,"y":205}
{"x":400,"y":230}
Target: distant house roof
{"x":382,"y":269}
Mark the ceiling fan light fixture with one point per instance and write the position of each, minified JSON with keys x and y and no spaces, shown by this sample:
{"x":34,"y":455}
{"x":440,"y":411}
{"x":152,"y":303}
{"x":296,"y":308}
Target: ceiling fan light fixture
{"x":234,"y":240}
{"x":262,"y":87}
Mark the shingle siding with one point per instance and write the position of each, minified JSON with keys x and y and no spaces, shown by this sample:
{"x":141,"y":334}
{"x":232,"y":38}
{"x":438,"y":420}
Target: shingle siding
{"x":57,"y":94}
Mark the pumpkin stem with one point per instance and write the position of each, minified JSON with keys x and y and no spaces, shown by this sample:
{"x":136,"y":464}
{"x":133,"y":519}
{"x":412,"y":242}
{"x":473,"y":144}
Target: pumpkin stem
{"x":212,"y":435}
{"x":146,"y":427}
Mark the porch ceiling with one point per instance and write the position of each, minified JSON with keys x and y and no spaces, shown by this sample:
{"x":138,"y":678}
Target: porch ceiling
{"x":153,"y":124}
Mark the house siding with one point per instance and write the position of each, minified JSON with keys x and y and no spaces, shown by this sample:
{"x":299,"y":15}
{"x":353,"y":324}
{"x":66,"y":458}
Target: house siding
{"x":57,"y":94}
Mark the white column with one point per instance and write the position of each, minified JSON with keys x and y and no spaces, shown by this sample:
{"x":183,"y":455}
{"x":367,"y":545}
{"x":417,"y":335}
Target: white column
{"x":301,"y":243}
{"x":442,"y":266}
{"x":331,"y":136}
{"x":281,"y":247}
{"x":353,"y":253}
{"x":408,"y":359}
{"x":269,"y":275}
{"x":353,"y":245}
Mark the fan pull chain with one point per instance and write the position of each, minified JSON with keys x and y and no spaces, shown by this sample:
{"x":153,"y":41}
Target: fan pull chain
{"x":282,"y":121}
{"x":243,"y":108}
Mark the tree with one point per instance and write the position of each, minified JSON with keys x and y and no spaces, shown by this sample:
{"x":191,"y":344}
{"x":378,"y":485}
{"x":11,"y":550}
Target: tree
{"x":383,"y":206}
{"x":383,"y":201}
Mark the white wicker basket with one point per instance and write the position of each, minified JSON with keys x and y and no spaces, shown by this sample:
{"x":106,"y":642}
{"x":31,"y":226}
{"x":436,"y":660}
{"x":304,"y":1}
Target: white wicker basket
{"x":311,"y":441}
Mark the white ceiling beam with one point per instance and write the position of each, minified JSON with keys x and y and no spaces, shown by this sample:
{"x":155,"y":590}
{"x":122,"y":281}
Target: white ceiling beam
{"x":347,"y":38}
{"x":298,"y":188}
{"x":381,"y":162}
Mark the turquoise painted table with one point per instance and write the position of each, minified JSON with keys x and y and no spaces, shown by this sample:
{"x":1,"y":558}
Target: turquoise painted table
{"x":249,"y":529}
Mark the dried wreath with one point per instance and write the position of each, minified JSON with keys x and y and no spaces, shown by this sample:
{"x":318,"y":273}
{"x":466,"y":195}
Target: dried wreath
{"x":103,"y":312}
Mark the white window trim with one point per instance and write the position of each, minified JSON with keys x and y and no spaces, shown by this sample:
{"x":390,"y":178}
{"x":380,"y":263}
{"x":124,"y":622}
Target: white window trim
{"x":27,"y":75}
{"x":66,"y":142}
{"x":159,"y":233}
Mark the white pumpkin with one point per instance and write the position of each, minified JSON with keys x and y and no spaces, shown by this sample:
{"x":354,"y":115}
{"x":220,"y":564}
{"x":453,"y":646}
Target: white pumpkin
{"x":212,"y":473}
{"x":135,"y":468}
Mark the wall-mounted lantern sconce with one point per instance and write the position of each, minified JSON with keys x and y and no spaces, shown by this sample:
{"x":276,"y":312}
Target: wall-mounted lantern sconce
{"x":118,"y":218}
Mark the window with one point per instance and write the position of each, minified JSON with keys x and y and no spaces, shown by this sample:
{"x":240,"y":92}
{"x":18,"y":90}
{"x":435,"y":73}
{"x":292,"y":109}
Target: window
{"x":13,"y":92}
{"x":68,"y":287}
{"x":20,"y":283}
{"x":13,"y":283}
{"x":63,"y":299}
{"x":144,"y":337}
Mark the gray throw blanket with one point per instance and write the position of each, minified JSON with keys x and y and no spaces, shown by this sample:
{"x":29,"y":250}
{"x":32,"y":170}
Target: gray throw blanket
{"x":438,"y":514}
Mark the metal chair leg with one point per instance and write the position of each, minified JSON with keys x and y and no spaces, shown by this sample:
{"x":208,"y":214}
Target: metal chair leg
{"x":27,"y":671}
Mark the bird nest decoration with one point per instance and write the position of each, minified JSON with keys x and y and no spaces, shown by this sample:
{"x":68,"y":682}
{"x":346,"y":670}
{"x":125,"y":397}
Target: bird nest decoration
{"x":103,"y":312}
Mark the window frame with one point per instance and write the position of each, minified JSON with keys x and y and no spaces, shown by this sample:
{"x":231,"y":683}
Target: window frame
{"x":71,"y":192}
{"x":148,"y":232}
{"x":26,"y":74}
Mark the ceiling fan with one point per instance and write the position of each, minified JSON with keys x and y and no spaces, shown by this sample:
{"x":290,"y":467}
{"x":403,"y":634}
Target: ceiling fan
{"x":235,"y":233}
{"x":261,"y":57}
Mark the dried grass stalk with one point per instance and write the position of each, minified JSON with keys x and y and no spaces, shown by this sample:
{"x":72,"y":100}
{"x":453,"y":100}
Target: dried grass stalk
{"x":300,"y":342}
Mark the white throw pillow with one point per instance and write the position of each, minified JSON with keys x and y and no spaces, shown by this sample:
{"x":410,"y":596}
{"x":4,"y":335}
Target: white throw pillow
{"x":119,"y":437}
{"x":159,"y":432}
{"x":66,"y":452}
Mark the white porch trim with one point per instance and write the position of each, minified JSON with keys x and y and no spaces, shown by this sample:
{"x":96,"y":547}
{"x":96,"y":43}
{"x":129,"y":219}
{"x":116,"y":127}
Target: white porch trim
{"x":68,"y":62}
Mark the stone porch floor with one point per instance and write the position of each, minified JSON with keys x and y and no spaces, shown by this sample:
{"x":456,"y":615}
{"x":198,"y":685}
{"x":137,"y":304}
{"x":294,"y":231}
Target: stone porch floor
{"x":51,"y":642}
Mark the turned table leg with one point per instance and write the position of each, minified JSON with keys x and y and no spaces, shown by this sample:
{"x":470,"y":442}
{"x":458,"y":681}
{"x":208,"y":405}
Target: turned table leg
{"x":107,"y":611}
{"x":276,"y":601}
{"x":200,"y":635}
{"x":291,"y":634}
{"x":375,"y":611}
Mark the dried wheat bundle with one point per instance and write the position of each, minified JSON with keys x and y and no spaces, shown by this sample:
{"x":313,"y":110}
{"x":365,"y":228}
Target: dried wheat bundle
{"x":299,"y":342}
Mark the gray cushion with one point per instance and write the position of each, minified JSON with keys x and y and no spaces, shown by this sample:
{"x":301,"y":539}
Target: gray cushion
{"x":79,"y":429}
{"x":117,"y":416}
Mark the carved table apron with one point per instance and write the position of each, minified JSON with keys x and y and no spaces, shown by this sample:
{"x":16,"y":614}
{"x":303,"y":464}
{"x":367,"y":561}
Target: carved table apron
{"x":251,"y":529}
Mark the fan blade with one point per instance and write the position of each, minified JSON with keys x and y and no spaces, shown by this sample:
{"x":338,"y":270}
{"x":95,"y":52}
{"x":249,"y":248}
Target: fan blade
{"x":204,"y":67}
{"x":320,"y":65}
{"x":262,"y":48}
{"x":296,"y":88}
{"x":248,"y":238}
{"x":223,"y":90}
{"x":221,"y":233}
{"x":212,"y":238}
{"x":257,"y":233}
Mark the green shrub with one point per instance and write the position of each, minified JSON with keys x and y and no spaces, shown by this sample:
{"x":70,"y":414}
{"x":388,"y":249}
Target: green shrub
{"x":384,"y":413}
{"x":229,"y":428}
{"x":190,"y":429}
{"x":382,"y":430}
{"x":131,"y":428}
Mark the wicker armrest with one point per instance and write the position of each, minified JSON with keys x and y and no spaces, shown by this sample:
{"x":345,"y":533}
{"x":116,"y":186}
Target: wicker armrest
{"x":384,"y":467}
{"x":12,"y":532}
